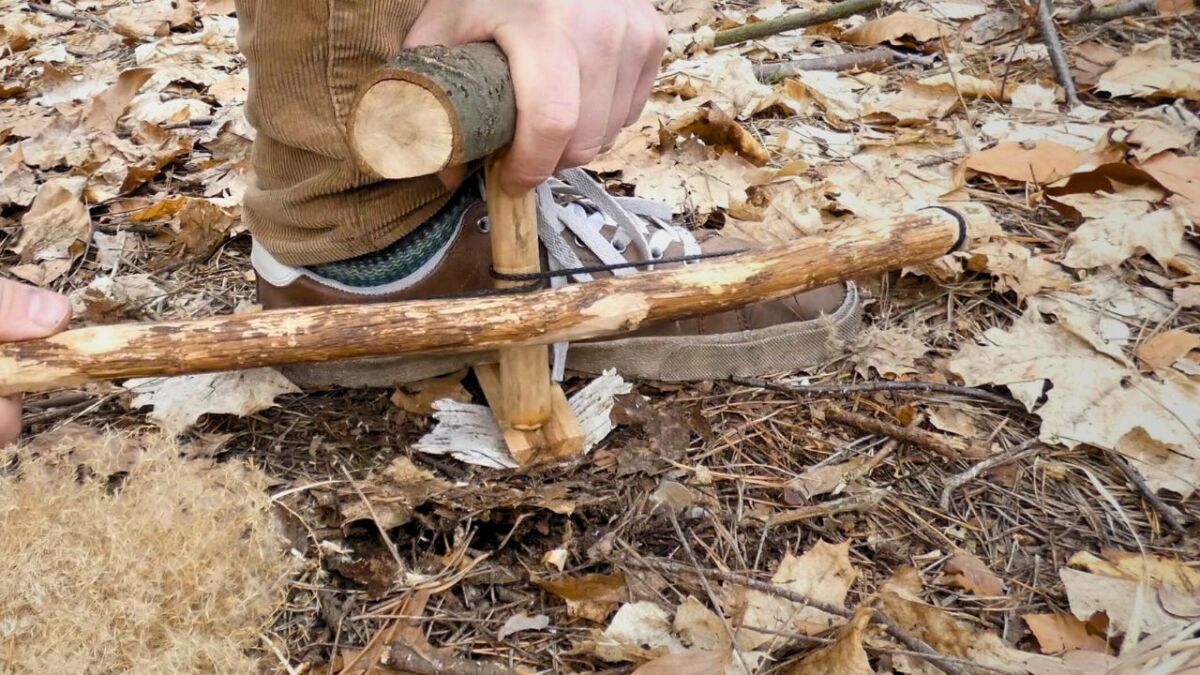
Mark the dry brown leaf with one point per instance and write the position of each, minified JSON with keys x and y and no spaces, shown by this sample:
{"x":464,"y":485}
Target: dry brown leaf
{"x":722,"y":133}
{"x":1151,"y":137}
{"x":897,"y":28}
{"x":18,"y":184}
{"x":1095,"y":398}
{"x":1123,"y":600}
{"x":1180,"y":175}
{"x":813,"y":91}
{"x":1164,"y":349}
{"x":686,"y":15}
{"x":58,"y":144}
{"x":1057,"y":633}
{"x":952,"y":420}
{"x":57,"y":226}
{"x":638,"y":631}
{"x":1151,"y":73}
{"x":1042,"y":163}
{"x":967,"y":86}
{"x":592,"y":597}
{"x":823,"y":573}
{"x":900,"y":599}
{"x":911,"y":106}
{"x":845,"y":656}
{"x":417,"y":398}
{"x":891,"y":352}
{"x":179,"y":402}
{"x":970,"y":573}
{"x":819,"y":481}
{"x":1175,"y":7}
{"x":202,"y":226}
{"x":108,"y":107}
{"x":1187,"y":297}
{"x":1117,"y":227}
{"x":698,"y":627}
{"x":687,"y":663}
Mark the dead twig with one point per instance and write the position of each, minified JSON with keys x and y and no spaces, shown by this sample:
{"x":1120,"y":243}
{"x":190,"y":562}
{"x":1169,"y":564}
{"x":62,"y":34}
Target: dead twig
{"x":1026,"y":449}
{"x":817,"y":390}
{"x":1089,"y":13}
{"x":1168,"y":514}
{"x":794,"y":20}
{"x":926,"y":440}
{"x":879,"y":56}
{"x":914,"y":643}
{"x":1058,"y":56}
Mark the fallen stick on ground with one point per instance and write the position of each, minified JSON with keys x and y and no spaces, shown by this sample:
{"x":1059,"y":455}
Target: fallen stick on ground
{"x":1058,"y":56}
{"x":816,"y":390}
{"x":1089,"y":13}
{"x":1027,"y":449}
{"x":923,"y":439}
{"x":879,"y":56}
{"x":475,"y":324}
{"x":793,"y":21}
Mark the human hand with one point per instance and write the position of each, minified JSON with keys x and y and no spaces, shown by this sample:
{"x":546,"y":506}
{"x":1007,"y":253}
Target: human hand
{"x":582,"y":70}
{"x":26,"y":313}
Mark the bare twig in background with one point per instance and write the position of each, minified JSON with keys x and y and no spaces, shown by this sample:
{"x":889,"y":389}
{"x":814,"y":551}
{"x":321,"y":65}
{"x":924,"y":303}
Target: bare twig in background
{"x":905,"y":638}
{"x":1026,"y":449}
{"x":1058,"y":56}
{"x":792,"y":21}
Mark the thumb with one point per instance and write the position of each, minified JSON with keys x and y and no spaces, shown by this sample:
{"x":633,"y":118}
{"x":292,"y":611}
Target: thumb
{"x":27,"y":313}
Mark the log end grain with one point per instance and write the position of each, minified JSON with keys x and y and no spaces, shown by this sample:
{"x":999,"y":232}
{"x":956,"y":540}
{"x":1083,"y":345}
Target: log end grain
{"x":406,"y":130}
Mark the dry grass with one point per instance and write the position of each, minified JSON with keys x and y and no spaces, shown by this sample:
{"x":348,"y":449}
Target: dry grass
{"x":167,"y":566}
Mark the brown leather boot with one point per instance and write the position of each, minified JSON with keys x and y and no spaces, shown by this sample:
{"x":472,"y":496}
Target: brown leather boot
{"x":583,"y":227}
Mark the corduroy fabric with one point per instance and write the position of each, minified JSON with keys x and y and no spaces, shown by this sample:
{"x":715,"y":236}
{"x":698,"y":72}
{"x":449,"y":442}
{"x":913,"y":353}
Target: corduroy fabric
{"x":310,"y":202}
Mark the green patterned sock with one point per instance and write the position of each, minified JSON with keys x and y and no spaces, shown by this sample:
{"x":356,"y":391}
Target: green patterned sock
{"x":410,"y":252}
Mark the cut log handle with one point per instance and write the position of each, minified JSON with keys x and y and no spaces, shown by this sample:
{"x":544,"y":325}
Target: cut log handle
{"x":575,"y":312}
{"x":434,"y":108}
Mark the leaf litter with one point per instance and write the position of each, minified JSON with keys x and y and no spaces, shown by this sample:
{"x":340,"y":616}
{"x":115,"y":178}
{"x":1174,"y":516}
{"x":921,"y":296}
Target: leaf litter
{"x":123,"y":161}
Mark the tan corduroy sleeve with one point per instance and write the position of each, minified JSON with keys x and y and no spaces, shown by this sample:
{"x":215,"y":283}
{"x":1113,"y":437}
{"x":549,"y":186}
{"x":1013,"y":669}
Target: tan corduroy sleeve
{"x":309,"y":202}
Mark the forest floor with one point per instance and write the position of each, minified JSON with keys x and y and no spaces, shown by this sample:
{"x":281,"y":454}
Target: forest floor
{"x":1044,"y":523}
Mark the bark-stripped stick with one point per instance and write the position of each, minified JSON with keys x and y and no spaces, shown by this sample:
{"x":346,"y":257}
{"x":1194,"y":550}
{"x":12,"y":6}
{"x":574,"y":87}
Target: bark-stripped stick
{"x":576,"y":312}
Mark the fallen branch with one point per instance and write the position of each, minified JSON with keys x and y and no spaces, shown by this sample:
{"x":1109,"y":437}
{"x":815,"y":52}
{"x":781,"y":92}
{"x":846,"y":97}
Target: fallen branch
{"x":1026,"y":449}
{"x":932,"y":442}
{"x":1058,"y":56}
{"x":474,"y":324}
{"x":945,"y":664}
{"x":1089,"y":13}
{"x":792,"y":21}
{"x":1168,"y":514}
{"x":879,"y":56}
{"x":818,"y":390}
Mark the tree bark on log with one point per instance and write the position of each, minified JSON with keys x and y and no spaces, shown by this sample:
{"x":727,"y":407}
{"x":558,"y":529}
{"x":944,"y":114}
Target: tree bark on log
{"x":1058,"y":55}
{"x":793,"y":21}
{"x":434,"y":108}
{"x":475,"y":324}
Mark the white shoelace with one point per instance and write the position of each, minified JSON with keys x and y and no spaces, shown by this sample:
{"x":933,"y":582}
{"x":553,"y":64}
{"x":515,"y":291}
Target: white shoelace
{"x":573,"y":204}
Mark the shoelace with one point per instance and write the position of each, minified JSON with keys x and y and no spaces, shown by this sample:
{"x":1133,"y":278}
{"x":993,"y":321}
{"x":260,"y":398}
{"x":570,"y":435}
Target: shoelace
{"x":573,"y":204}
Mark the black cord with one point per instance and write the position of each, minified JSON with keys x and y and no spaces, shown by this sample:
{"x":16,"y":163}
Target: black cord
{"x":542,"y":276}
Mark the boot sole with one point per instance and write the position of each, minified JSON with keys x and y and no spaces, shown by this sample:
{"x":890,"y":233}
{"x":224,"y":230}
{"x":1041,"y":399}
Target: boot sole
{"x":752,"y":353}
